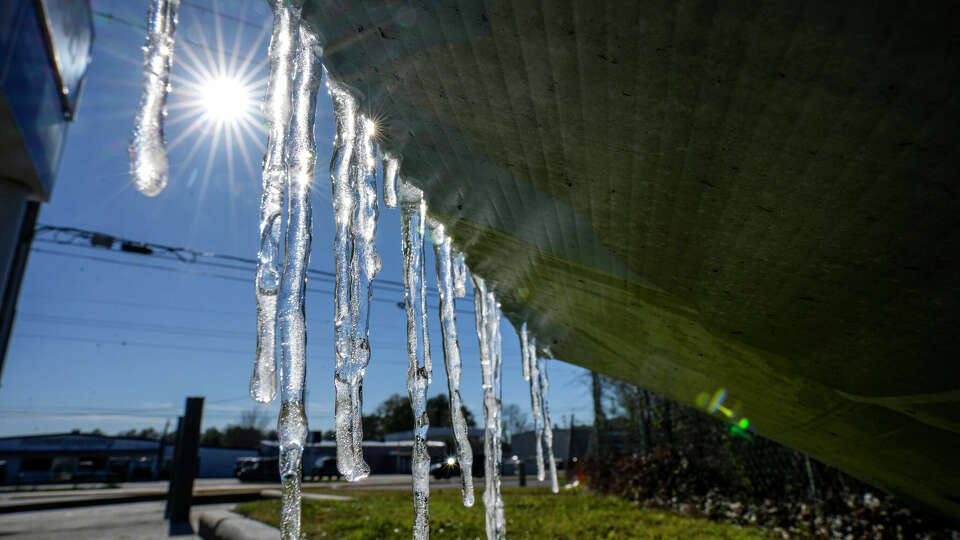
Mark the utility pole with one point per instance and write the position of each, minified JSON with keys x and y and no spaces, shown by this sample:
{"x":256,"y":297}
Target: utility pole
{"x":597,"y":441}
{"x":161,"y":450}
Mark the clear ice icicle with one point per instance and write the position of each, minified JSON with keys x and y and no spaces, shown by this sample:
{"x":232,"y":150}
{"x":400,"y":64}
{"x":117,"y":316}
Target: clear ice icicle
{"x":528,"y":350}
{"x":524,"y":350}
{"x":547,"y":426}
{"x":459,"y":275}
{"x":354,"y":184}
{"x":347,"y":373}
{"x":488,"y":334}
{"x":276,"y":108}
{"x":300,"y":151}
{"x":149,"y":167}
{"x":442,"y":251}
{"x":413,"y":214}
{"x":391,"y":168}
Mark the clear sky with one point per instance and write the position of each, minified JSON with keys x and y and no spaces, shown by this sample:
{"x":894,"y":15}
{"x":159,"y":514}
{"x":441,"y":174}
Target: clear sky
{"x":118,"y":340}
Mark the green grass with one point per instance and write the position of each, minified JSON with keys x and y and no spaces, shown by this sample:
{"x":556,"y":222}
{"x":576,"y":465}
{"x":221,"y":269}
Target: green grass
{"x":530,"y":512}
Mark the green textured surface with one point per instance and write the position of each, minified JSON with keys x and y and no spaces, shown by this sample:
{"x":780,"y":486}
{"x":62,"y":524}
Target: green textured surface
{"x":693,"y":195}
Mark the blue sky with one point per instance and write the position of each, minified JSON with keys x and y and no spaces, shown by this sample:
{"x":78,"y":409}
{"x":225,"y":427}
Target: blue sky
{"x":107,"y":339}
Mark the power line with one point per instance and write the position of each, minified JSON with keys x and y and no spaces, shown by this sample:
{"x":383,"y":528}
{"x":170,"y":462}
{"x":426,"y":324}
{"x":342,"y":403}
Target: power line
{"x":186,"y":271}
{"x":206,"y":274}
{"x":135,"y":304}
{"x":217,"y":13}
{"x":99,"y":240}
{"x":110,"y":17}
{"x":127,"y":325}
{"x":139,"y":344}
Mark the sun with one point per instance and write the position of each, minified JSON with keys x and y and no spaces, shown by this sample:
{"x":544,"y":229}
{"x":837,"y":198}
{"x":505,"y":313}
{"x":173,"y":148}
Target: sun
{"x":225,"y":99}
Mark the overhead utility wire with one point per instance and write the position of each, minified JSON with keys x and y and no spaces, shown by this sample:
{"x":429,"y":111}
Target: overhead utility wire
{"x":199,"y":273}
{"x":140,"y":344}
{"x":217,"y":13}
{"x":110,"y":17}
{"x":106,"y":241}
{"x":68,"y":236}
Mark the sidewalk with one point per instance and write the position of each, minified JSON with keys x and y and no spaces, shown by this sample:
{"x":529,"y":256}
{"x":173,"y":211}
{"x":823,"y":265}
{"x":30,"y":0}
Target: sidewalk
{"x":130,"y":521}
{"x":205,"y":492}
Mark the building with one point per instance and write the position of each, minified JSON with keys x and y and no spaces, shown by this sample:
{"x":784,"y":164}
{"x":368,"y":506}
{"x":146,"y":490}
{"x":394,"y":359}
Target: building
{"x":436,"y":433}
{"x":384,"y":457}
{"x":565,"y":447}
{"x":87,"y":457}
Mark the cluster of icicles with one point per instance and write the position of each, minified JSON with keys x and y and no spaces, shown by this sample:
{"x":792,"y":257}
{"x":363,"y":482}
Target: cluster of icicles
{"x":357,"y":163}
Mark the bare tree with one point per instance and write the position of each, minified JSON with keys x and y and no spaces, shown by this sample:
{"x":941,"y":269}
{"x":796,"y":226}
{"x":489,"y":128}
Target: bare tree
{"x":515,"y":420}
{"x":255,"y":418}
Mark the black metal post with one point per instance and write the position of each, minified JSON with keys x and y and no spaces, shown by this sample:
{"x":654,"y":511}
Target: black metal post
{"x":185,"y":461}
{"x":522,"y":473}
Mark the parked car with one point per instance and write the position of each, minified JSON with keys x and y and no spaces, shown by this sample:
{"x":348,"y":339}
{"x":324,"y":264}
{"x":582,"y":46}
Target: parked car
{"x":243,"y":463}
{"x":325,"y":466}
{"x":254,"y":469}
{"x":449,"y":468}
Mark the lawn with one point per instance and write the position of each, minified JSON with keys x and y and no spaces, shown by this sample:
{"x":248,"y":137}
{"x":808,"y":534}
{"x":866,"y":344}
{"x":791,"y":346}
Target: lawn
{"x":531,"y":513}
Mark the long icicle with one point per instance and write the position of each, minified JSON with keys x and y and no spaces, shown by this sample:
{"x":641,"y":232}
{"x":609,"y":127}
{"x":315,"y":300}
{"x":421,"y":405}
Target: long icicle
{"x":532,"y":374}
{"x":488,"y":334}
{"x":263,"y":382}
{"x":149,"y":166}
{"x":301,"y":151}
{"x":347,"y":374}
{"x":364,"y":266}
{"x":413,"y":215}
{"x":547,"y":426}
{"x":442,"y":251}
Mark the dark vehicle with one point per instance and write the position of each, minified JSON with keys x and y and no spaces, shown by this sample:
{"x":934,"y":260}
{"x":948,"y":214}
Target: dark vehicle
{"x":243,"y":463}
{"x":254,"y":469}
{"x":449,"y":468}
{"x":325,"y":467}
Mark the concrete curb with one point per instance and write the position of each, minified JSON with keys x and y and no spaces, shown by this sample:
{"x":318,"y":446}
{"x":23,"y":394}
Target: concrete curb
{"x":225,"y":525}
{"x":277,"y":494}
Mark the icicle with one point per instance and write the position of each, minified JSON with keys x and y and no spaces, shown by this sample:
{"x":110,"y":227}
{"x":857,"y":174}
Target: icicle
{"x":531,"y":374}
{"x":301,"y":151}
{"x":451,"y":355}
{"x":413,"y":214}
{"x":347,"y":374}
{"x":353,"y":181}
{"x":149,"y":167}
{"x":524,"y":352}
{"x":547,"y":426}
{"x":263,"y":382}
{"x":459,"y":275}
{"x":391,"y":167}
{"x":488,"y":334}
